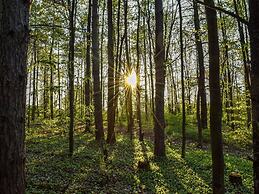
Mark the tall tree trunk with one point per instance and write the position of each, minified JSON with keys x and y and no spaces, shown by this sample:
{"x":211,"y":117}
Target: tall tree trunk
{"x":201,"y":78}
{"x":150,"y":56}
{"x":159,"y":121}
{"x":59,"y":81}
{"x":101,"y":50}
{"x":145,"y":70}
{"x":88,"y":70}
{"x":72,"y":10}
{"x":118,"y":59}
{"x":182,"y":82}
{"x":215,"y":101}
{"x":110,"y":112}
{"x":51,"y":86}
{"x":99,"y":134}
{"x":138,"y":89}
{"x":14,"y":33}
{"x":29,"y":98}
{"x":129,"y":69}
{"x":33,"y":111}
{"x":254,"y":41}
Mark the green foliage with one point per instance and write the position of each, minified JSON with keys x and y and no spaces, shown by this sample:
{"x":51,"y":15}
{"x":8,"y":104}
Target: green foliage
{"x":51,"y":170}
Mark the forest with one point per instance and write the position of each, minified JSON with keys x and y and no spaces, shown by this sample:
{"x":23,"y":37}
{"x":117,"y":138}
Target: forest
{"x":129,"y":96}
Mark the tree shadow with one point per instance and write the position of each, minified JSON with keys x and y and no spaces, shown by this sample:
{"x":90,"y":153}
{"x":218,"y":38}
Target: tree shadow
{"x":200,"y":162}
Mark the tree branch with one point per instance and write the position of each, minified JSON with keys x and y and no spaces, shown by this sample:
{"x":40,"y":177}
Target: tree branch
{"x":240,"y":19}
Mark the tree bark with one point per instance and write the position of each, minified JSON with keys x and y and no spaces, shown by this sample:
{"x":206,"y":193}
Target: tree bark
{"x":254,"y":43}
{"x":110,"y":112}
{"x":99,"y":133}
{"x":72,"y":11}
{"x":182,"y":81}
{"x":138,"y":78}
{"x":88,"y":70}
{"x":14,"y":33}
{"x":215,"y":102}
{"x":159,"y":121}
{"x":201,"y":79}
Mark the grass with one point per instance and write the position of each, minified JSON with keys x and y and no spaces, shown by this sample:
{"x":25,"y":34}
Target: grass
{"x":49,"y":168}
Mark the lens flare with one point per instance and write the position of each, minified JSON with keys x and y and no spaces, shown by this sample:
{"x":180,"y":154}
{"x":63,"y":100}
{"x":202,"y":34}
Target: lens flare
{"x":131,"y":79}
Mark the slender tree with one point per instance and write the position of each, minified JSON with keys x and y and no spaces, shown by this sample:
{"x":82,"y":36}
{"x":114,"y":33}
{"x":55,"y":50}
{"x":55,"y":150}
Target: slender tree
{"x":182,"y":81}
{"x":99,"y":133}
{"x":138,"y":78}
{"x":215,"y":101}
{"x":159,"y":121}
{"x":88,"y":69}
{"x":14,"y":34}
{"x":72,"y":8}
{"x":111,"y":111}
{"x":201,"y":77}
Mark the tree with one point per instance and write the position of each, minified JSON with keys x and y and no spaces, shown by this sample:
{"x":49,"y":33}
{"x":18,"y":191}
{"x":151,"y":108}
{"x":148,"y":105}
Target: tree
{"x":88,"y":69}
{"x":201,"y":78}
{"x":159,"y":121}
{"x":111,"y":98}
{"x":72,"y":8}
{"x":215,"y":101}
{"x":99,"y":133}
{"x":138,"y":78}
{"x":254,"y":44}
{"x":14,"y":34}
{"x":182,"y":81}
{"x":129,"y":69}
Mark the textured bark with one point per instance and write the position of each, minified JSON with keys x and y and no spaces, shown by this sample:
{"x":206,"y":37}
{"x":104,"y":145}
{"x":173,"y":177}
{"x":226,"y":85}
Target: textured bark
{"x":14,"y":33}
{"x":215,"y":102}
{"x":254,"y":38}
{"x":99,"y":133}
{"x":159,"y":121}
{"x":110,"y":112}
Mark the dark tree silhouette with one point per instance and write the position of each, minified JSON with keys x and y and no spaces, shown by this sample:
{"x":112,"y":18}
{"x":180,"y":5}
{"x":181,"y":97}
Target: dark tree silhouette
{"x":14,"y":33}
{"x":215,"y":101}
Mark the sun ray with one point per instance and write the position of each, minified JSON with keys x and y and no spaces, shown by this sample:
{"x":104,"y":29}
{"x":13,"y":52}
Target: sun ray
{"x":131,"y":79}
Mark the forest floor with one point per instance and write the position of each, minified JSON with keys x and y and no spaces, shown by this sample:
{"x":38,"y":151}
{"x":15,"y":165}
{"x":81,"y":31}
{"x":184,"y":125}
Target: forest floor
{"x":49,"y":169}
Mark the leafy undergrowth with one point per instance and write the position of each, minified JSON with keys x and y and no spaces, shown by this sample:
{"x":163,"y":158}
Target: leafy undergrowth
{"x":49,"y":168}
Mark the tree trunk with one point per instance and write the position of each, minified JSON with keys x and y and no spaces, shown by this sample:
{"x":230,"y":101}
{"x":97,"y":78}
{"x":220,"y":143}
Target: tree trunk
{"x":182,"y":82}
{"x":138,"y":79}
{"x":254,"y":41}
{"x":14,"y":33}
{"x":129,"y":69}
{"x":72,"y":9}
{"x":159,"y":122}
{"x":88,"y":70}
{"x":99,"y":134}
{"x":33,"y":111}
{"x":51,"y":87}
{"x":110,"y":112}
{"x":215,"y":102}
{"x":201,"y":79}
